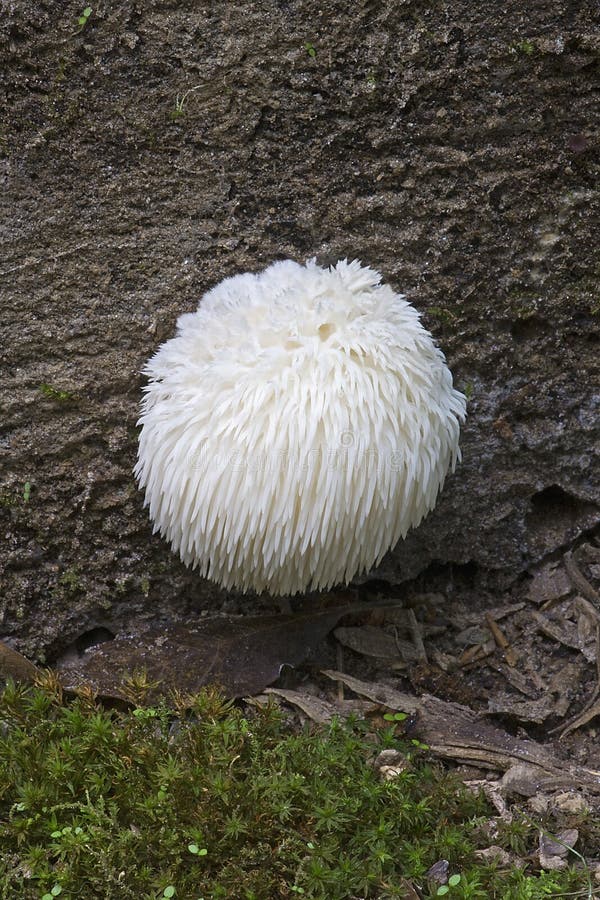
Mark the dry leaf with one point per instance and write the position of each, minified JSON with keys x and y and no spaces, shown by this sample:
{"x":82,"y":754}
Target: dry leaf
{"x":550,"y":583}
{"x":14,"y":665}
{"x":379,"y":693}
{"x":524,"y":710}
{"x":371,"y":641}
{"x":320,"y":711}
{"x":241,"y":654}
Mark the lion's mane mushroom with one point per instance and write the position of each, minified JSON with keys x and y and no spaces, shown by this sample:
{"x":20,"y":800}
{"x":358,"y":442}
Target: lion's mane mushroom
{"x":295,"y":428}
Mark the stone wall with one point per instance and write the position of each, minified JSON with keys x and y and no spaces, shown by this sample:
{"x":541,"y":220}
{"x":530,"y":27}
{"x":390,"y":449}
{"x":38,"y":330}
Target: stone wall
{"x":164,"y":145}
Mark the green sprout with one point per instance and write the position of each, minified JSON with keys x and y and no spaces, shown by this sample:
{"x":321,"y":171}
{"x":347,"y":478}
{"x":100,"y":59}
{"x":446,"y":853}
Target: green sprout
{"x":83,"y":18}
{"x":179,"y":108}
{"x":310,"y":49}
{"x":444,"y":889}
{"x":26,"y":491}
{"x":54,"y":892}
{"x":180,"y":101}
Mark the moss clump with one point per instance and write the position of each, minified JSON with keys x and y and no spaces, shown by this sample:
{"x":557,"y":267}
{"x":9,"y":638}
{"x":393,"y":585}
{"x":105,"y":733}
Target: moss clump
{"x":221,"y":804}
{"x":53,"y":393}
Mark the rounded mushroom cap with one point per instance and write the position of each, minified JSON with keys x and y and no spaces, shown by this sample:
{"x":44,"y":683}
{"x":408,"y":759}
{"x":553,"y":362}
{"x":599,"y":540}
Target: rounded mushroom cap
{"x":295,"y":428}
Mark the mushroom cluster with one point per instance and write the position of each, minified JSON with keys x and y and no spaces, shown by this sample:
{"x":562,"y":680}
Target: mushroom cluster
{"x":295,"y":428}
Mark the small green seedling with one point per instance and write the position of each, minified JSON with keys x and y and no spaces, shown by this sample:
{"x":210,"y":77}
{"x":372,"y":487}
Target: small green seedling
{"x":395,"y":717}
{"x":149,"y":712}
{"x":180,"y":101}
{"x":310,"y":49}
{"x":444,"y":889}
{"x":169,"y":891}
{"x":54,"y":892}
{"x":178,"y":109}
{"x":26,"y":491}
{"x":196,"y":850}
{"x":83,"y":18}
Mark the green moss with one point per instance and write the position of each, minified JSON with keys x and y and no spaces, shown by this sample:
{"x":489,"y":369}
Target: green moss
{"x":8,"y":500}
{"x":443,"y":315}
{"x":222,"y":804}
{"x":53,"y":393}
{"x":68,"y":585}
{"x":71,"y":580}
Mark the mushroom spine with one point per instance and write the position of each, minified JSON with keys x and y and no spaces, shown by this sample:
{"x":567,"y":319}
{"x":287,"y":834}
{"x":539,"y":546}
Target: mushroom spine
{"x":299,"y":423}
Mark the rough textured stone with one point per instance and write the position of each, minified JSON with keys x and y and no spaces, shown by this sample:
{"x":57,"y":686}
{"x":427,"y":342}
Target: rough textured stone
{"x":168,"y":144}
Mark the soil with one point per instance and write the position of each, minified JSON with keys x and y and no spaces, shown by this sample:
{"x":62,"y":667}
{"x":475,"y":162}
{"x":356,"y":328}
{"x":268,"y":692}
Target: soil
{"x":151,"y":149}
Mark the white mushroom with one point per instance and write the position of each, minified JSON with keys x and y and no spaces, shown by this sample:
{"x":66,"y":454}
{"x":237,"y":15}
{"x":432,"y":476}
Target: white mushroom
{"x":295,"y":428}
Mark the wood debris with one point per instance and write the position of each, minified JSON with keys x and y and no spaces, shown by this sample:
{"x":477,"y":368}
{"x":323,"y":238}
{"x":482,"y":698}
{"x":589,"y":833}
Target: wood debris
{"x":550,"y":584}
{"x":455,"y":732}
{"x":579,"y":580}
{"x":319,"y":710}
{"x":372,"y":641}
{"x":501,"y":641}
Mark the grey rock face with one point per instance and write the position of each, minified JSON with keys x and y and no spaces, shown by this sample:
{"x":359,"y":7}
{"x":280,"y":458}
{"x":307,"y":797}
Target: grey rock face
{"x":152,"y":153}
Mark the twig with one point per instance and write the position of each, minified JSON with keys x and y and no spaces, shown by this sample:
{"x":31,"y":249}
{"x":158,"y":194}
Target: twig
{"x":475,"y":654}
{"x":579,"y":581}
{"x":417,"y":636}
{"x":501,"y":641}
{"x":592,"y":707}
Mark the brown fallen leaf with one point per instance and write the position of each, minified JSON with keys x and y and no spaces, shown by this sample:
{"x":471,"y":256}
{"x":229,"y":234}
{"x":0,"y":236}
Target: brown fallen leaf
{"x":371,"y":641}
{"x":241,"y":654}
{"x":379,"y":693}
{"x":14,"y":665}
{"x":536,"y":711}
{"x":501,"y":640}
{"x":550,"y":583}
{"x":579,"y":581}
{"x":563,"y":633}
{"x":321,"y":711}
{"x":408,"y":891}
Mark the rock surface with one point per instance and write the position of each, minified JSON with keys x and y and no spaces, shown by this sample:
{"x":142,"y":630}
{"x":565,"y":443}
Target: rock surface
{"x":162,"y":146}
